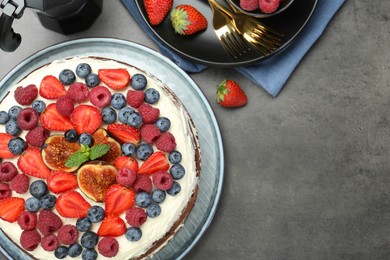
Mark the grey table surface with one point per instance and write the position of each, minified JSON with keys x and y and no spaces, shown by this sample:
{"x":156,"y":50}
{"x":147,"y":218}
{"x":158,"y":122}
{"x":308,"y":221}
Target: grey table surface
{"x":307,"y":174}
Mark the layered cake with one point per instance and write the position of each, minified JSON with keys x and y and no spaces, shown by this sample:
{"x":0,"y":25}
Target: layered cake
{"x":99,"y":159}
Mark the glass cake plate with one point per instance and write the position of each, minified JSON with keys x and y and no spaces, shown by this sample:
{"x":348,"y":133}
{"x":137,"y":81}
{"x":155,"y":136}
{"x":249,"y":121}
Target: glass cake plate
{"x":191,"y":96}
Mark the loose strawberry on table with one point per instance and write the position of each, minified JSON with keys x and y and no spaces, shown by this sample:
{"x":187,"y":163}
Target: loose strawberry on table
{"x":230,"y":94}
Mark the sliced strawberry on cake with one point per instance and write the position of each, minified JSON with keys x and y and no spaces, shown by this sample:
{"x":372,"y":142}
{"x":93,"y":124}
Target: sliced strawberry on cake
{"x":126,"y":162}
{"x":116,"y":79}
{"x":118,"y":199}
{"x":52,"y":120}
{"x":86,"y":119}
{"x":51,"y":88}
{"x":4,"y":151}
{"x":124,"y":133}
{"x":31,"y":163}
{"x":11,"y":208}
{"x":59,"y":182}
{"x":156,"y":162}
{"x":72,"y":205}
{"x":112,"y":226}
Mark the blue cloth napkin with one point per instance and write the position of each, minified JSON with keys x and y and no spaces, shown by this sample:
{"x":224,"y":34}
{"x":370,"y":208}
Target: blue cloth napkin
{"x":262,"y":73}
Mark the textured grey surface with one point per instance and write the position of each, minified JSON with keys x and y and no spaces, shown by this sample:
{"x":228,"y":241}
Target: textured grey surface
{"x":307,"y":173}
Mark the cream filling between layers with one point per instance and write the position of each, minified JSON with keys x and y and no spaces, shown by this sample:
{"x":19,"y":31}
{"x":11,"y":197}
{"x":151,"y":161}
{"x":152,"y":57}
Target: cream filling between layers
{"x":154,"y":228}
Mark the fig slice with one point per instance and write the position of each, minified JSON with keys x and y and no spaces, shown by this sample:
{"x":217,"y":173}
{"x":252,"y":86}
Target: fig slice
{"x":94,"y":179}
{"x":101,"y":136}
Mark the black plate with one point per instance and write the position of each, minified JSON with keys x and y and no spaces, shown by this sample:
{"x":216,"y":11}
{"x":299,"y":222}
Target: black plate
{"x":205,"y":47}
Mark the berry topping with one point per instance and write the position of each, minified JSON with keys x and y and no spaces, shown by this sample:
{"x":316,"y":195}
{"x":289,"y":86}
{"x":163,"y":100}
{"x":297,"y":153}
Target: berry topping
{"x":92,"y":80}
{"x":118,"y":199}
{"x":90,"y":254}
{"x":68,"y":234}
{"x":78,"y":92}
{"x":149,"y":133}
{"x":126,"y":177}
{"x":20,"y":183}
{"x":86,"y":119}
{"x":26,"y":95}
{"x":162,"y":180}
{"x":126,"y":162}
{"x":269,"y":6}
{"x":61,"y":252}
{"x":11,"y":208}
{"x":124,"y":133}
{"x":166,"y":142}
{"x":138,"y":82}
{"x":12,"y":127}
{"x":38,"y":189}
{"x":100,"y":96}
{"x":143,"y":199}
{"x":153,"y":210}
{"x":51,"y":88}
{"x":133,"y":234}
{"x":4,"y":117}
{"x":128,"y":149}
{"x":65,"y":105}
{"x":176,"y":188}
{"x":112,"y":226}
{"x":72,"y":205}
{"x":136,"y":216}
{"x":149,"y":114}
{"x":163,"y":124}
{"x":177,"y":171}
{"x":83,"y":70}
{"x":32,"y":204}
{"x":48,"y":201}
{"x":48,"y":222}
{"x":51,"y":119}
{"x":14,"y":111}
{"x":152,"y":96}
{"x":134,"y":120}
{"x":174,"y":157}
{"x":158,"y":195}
{"x":89,"y":239}
{"x":59,"y":182}
{"x":135,"y":97}
{"x":17,"y":145}
{"x":67,"y":77}
{"x":30,"y":239}
{"x":75,"y":250}
{"x":31,"y":163}
{"x":95,"y":214}
{"x":124,"y":113}
{"x":86,"y":139}
{"x":5,"y":191}
{"x":144,"y":150}
{"x":108,"y":115}
{"x":71,"y":136}
{"x":83,"y":224}
{"x":50,"y":242}
{"x":116,"y":79}
{"x":156,"y":162}
{"x":143,"y":183}
{"x":27,"y":220}
{"x":109,"y":246}
{"x":38,"y":106}
{"x":4,"y":151}
{"x":118,"y":101}
{"x":37,"y":136}
{"x":7,"y":171}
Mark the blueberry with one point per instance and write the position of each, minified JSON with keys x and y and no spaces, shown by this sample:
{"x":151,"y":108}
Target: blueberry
{"x":108,"y":115}
{"x":128,"y":149}
{"x":39,"y":106}
{"x":86,"y":139}
{"x":143,"y":199}
{"x":158,"y":195}
{"x":89,"y":239}
{"x":71,"y":136}
{"x":177,"y":171}
{"x":152,"y":96}
{"x":133,"y":234}
{"x":48,"y":201}
{"x":176,"y":188}
{"x":61,"y":252}
{"x":138,"y":82}
{"x":4,"y":117}
{"x":67,"y":77}
{"x":38,"y":189}
{"x":83,"y":224}
{"x":124,"y":113}
{"x":174,"y":157}
{"x":144,"y":150}
{"x":163,"y":124}
{"x":75,"y":250}
{"x":118,"y":100}
{"x":92,"y":80}
{"x":89,"y":254}
{"x":12,"y":127}
{"x":153,"y":210}
{"x":95,"y":214}
{"x":32,"y":204}
{"x":134,"y":120}
{"x":83,"y":70}
{"x":17,"y":145}
{"x":14,"y":111}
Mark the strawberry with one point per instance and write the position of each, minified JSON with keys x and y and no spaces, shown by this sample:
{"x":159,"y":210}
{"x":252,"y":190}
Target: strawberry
{"x":4,"y":151}
{"x":72,"y":205}
{"x":126,"y":161}
{"x":59,"y":182}
{"x":112,"y":226}
{"x":51,"y":119}
{"x":230,"y":94}
{"x":31,"y":163}
{"x":156,"y":162}
{"x":124,"y":133}
{"x":86,"y":119}
{"x":11,"y":208}
{"x":51,"y":88}
{"x":187,"y":20}
{"x":115,"y":78}
{"x":157,"y":10}
{"x":118,"y":199}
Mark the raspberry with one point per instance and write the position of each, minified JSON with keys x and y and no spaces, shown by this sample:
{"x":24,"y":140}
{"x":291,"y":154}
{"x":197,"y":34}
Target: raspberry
{"x":136,"y":216}
{"x":5,"y":191}
{"x":166,"y":142}
{"x":78,"y":92}
{"x":149,"y":114}
{"x":65,"y":105}
{"x":20,"y":183}
{"x":100,"y":96}
{"x":249,"y":5}
{"x":143,"y":183}
{"x":268,"y":6}
{"x":149,"y":133}
{"x":27,"y":220}
{"x":108,"y":247}
{"x":68,"y":234}
{"x":48,"y":222}
{"x":50,"y":242}
{"x":135,"y":98}
{"x":28,"y":118}
{"x":126,"y":177}
{"x":30,"y":239}
{"x":25,"y":96}
{"x":37,"y":136}
{"x":162,"y":180}
{"x":7,"y":171}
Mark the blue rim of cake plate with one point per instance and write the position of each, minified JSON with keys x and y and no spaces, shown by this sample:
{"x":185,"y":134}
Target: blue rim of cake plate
{"x":211,"y":146}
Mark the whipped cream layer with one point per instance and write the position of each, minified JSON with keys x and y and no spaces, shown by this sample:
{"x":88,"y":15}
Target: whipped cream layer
{"x":154,"y":229}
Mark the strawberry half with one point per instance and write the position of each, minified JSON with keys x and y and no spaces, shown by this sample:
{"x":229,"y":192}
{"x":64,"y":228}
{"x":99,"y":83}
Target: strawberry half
{"x":51,"y":119}
{"x":156,"y":162}
{"x":51,"y":88}
{"x":187,"y":20}
{"x":11,"y":208}
{"x":59,"y":182}
{"x":124,"y":133}
{"x":157,"y":10}
{"x":118,"y":199}
{"x":112,"y":226}
{"x":86,"y":119}
{"x":126,"y":161}
{"x":116,"y":79}
{"x":230,"y":94}
{"x":4,"y":151}
{"x":72,"y":205}
{"x":31,"y":163}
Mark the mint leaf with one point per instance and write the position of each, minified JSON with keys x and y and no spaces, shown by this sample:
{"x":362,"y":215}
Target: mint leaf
{"x":77,"y":158}
{"x":98,"y":151}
